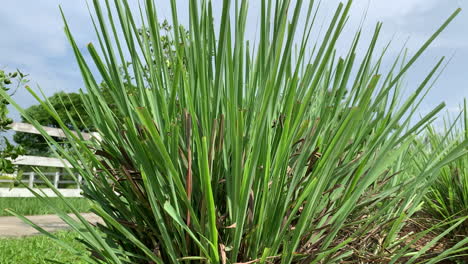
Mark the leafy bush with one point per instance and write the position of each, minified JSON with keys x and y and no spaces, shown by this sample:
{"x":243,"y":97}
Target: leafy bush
{"x":276,"y":152}
{"x":8,"y":81}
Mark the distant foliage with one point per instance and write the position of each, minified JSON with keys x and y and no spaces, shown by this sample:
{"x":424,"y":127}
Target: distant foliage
{"x":9,"y":82}
{"x":69,"y":106}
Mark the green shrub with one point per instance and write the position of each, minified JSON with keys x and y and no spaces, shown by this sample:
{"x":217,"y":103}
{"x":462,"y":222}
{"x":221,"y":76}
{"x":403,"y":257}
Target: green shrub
{"x":226,"y":151}
{"x":9,"y":83}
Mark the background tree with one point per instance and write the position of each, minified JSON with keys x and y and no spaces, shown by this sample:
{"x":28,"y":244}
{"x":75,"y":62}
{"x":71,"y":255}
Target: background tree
{"x":69,"y":107}
{"x":73,"y":103}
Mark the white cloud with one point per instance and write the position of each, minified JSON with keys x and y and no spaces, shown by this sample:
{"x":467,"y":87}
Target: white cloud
{"x":34,"y":40}
{"x":396,"y":9}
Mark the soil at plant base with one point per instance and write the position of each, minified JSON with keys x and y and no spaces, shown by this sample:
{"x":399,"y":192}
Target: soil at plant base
{"x":369,"y":242}
{"x":422,"y":222}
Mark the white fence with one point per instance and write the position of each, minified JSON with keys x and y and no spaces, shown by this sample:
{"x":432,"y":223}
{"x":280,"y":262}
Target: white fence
{"x":23,"y":192}
{"x":31,"y":179}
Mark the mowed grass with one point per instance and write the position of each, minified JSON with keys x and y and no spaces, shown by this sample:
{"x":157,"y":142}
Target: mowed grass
{"x":39,"y":249}
{"x":33,"y":206}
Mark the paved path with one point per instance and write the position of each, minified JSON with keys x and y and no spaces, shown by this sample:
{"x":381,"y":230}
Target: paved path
{"x":23,"y":192}
{"x":11,"y":226}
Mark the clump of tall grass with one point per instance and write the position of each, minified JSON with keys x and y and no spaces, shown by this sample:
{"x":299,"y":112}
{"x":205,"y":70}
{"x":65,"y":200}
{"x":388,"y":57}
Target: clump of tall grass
{"x":228,"y":151}
{"x":448,"y":196}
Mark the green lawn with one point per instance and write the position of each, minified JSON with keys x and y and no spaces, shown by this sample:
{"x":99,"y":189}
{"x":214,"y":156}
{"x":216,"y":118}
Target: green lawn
{"x":32,"y":206}
{"x":39,"y":250}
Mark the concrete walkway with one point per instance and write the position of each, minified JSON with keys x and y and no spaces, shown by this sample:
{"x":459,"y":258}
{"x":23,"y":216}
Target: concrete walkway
{"x":11,"y":226}
{"x":23,"y":192}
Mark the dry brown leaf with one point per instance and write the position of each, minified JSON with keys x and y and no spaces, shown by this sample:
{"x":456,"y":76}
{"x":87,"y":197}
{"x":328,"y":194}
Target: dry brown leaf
{"x":222,"y":248}
{"x":231,"y":226}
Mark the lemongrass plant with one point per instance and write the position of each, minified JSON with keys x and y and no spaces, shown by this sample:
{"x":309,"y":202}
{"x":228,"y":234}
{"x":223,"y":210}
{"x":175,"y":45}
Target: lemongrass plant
{"x":448,"y":196}
{"x":227,"y":151}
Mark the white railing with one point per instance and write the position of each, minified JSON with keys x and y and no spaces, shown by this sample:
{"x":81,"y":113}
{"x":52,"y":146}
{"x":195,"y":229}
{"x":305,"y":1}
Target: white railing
{"x":31,"y":178}
{"x":55,"y":132}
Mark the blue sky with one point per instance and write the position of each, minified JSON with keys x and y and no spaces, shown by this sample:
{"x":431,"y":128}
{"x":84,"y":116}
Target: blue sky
{"x":33,"y":41}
